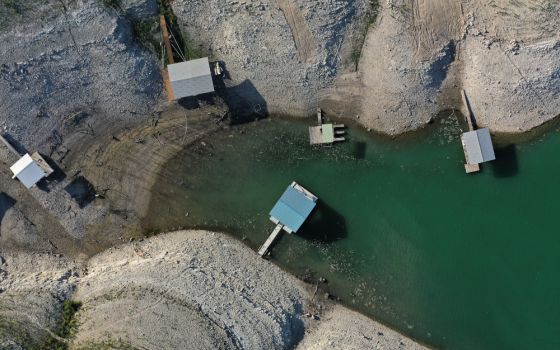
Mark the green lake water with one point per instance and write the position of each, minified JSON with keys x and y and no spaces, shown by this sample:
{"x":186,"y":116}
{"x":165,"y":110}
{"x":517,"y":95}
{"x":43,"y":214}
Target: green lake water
{"x":401,"y":232}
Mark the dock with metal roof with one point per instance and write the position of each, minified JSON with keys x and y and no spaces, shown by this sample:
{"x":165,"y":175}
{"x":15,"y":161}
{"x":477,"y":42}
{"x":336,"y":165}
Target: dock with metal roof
{"x":289,"y":213}
{"x":477,"y":143}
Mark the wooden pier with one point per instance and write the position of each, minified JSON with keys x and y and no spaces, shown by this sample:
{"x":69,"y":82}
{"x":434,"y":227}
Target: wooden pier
{"x":325,"y":133}
{"x":469,"y":168}
{"x":477,"y":144}
{"x":468,"y":111}
{"x":273,"y":236}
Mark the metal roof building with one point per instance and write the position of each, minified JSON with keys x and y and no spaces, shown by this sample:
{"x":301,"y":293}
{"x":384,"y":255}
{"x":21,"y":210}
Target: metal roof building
{"x":27,"y":171}
{"x":293,"y":208}
{"x":190,"y":78}
{"x":478,"y":147}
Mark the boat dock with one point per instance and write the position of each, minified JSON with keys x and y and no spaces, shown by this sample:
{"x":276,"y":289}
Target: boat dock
{"x":325,"y":133}
{"x":289,"y":213}
{"x":477,"y":143}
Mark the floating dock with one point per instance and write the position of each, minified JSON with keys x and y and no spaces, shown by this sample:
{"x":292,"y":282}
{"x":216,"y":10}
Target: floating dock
{"x":325,"y":133}
{"x":477,"y":143}
{"x":289,"y":213}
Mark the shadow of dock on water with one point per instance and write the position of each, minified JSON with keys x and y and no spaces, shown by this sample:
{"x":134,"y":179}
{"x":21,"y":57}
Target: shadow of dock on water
{"x":325,"y":225}
{"x":506,"y":163}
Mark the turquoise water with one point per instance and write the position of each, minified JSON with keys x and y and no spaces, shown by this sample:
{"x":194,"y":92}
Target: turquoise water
{"x":401,"y":233}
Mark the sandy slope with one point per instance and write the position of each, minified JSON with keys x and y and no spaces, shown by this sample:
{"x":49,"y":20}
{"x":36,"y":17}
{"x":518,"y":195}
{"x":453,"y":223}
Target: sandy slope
{"x":420,"y":53}
{"x":182,"y":290}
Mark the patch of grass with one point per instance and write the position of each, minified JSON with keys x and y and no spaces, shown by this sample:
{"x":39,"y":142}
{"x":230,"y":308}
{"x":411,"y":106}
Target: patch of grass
{"x":148,"y":32}
{"x":372,"y":13}
{"x":166,"y":10}
{"x":187,"y":46}
{"x":370,"y":19}
{"x":66,"y":328}
{"x":17,"y":332}
{"x":69,"y":322}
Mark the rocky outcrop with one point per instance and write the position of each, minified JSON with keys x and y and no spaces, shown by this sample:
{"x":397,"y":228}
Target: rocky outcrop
{"x":511,"y":64}
{"x":59,"y":58}
{"x":420,"y":53}
{"x":279,"y":54}
{"x":403,"y":70}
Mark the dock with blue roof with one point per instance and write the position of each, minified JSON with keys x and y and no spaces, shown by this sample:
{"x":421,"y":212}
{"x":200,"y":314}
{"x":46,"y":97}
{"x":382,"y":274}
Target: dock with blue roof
{"x":289,"y":213}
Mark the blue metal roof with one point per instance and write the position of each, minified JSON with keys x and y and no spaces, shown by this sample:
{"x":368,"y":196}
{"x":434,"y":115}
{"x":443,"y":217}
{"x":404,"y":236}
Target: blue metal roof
{"x":293,"y":208}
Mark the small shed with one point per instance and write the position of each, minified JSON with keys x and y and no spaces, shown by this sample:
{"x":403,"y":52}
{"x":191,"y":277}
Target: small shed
{"x":30,"y":169}
{"x":293,"y":207}
{"x":190,"y":78}
{"x":478,"y":146}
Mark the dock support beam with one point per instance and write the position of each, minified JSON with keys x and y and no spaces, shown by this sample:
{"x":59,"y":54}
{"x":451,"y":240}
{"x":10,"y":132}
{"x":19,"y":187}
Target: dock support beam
{"x":168,"y":48}
{"x":468,"y":110}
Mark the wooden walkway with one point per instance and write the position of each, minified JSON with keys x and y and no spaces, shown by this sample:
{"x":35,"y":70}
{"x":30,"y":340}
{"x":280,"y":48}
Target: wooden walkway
{"x":264,"y":248}
{"x":469,"y":168}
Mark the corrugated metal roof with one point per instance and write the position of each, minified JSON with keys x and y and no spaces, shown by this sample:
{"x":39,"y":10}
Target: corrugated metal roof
{"x":27,"y":171}
{"x":478,"y":146}
{"x":485,"y":142}
{"x":293,"y":208}
{"x":190,"y":78}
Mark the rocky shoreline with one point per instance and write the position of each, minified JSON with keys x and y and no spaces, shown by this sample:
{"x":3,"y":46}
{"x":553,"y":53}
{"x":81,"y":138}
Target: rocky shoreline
{"x":186,"y":289}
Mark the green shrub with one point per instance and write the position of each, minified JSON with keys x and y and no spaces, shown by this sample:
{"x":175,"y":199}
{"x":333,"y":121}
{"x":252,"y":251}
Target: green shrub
{"x":66,"y":328}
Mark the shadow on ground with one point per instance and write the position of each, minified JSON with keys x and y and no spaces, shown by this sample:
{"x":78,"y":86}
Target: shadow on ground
{"x":53,"y":179}
{"x":325,"y":225}
{"x":244,"y":102}
{"x":6,"y":202}
{"x":81,"y":190}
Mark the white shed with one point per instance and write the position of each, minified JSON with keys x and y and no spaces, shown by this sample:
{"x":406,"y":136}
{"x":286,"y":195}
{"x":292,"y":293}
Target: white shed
{"x":30,"y":169}
{"x":27,"y":171}
{"x":190,"y":78}
{"x":478,"y":146}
